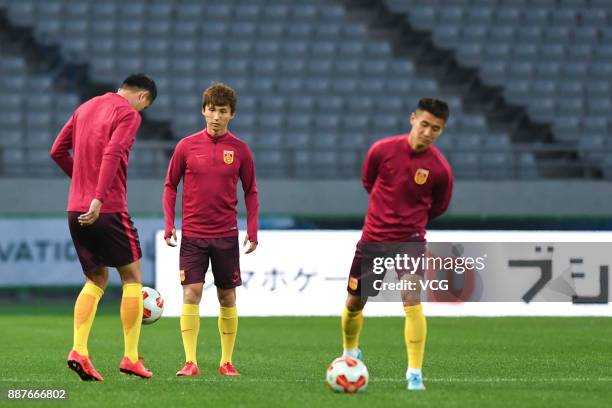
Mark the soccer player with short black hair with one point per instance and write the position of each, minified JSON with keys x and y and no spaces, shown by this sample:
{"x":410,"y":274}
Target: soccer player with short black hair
{"x":210,"y":163}
{"x":409,"y":182}
{"x":101,"y":133}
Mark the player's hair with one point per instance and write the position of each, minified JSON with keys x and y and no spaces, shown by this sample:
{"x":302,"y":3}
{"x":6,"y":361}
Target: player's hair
{"x":220,"y":94}
{"x":436,"y":107}
{"x":141,"y":82}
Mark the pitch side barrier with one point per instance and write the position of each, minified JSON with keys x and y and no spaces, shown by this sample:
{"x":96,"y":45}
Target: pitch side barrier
{"x":458,"y":273}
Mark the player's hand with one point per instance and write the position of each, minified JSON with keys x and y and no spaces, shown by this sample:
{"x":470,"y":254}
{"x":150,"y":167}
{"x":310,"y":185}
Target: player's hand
{"x":92,"y":215}
{"x":171,"y":241}
{"x":252,"y":245}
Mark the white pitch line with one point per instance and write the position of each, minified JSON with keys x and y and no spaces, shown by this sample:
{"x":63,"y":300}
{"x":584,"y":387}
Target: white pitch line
{"x":427,"y":379}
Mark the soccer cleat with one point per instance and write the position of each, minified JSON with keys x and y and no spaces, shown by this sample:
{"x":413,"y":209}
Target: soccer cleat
{"x":83,"y":366}
{"x":190,"y":369}
{"x":228,"y":369}
{"x":415,"y":382}
{"x":353,"y":353}
{"x":138,"y":369}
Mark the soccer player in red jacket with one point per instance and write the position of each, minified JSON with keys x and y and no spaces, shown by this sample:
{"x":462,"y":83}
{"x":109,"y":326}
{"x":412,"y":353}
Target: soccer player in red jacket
{"x":210,"y":163}
{"x":409,"y":182}
{"x":100,"y":134}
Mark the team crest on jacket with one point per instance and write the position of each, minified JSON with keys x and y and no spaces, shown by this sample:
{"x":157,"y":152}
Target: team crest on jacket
{"x":228,"y":156}
{"x":420,"y":177}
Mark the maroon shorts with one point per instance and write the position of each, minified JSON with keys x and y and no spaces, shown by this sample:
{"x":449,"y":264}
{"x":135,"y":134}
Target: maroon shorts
{"x":223,"y":253}
{"x":362,"y":277}
{"x":110,"y":241}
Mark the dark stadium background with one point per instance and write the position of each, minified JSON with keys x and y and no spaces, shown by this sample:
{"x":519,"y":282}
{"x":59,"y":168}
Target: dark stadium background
{"x":529,"y":84}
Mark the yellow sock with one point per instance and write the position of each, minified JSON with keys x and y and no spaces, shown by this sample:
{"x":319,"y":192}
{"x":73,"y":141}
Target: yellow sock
{"x":415,"y":333}
{"x":228,"y":326}
{"x":131,"y":318}
{"x":190,"y":327}
{"x":352,"y":322}
{"x":84,"y":313}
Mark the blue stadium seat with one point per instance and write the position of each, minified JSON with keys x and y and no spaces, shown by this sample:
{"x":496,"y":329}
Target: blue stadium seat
{"x":331,"y":13}
{"x":328,"y":30}
{"x":269,"y":138}
{"x":298,"y":139}
{"x":594,"y":125}
{"x":465,"y":164}
{"x":299,"y":122}
{"x":498,"y":165}
{"x":355,"y":122}
{"x":344,"y":85}
{"x":267,"y":48}
{"x":304,"y":12}
{"x":217,"y":11}
{"x":527,"y":166}
{"x":294,"y":48}
{"x":270,"y":30}
{"x":507,"y":15}
{"x":402,"y":67}
{"x":529,"y":34}
{"x":275,"y":12}
{"x":354,"y":31}
{"x":543,"y":110}
{"x":570,"y":106}
{"x":248,"y":12}
{"x":372,"y":85}
{"x":159,"y":11}
{"x":451,"y":15}
{"x":317,"y":85}
{"x":158,"y":30}
{"x":539,"y":16}
{"x":595,"y":17}
{"x":347,"y":66}
{"x":599,"y":106}
{"x":323,"y":49}
{"x":304,"y":104}
{"x":362,"y":104}
{"x":243,"y":30}
{"x":330,"y":104}
{"x":192,"y":12}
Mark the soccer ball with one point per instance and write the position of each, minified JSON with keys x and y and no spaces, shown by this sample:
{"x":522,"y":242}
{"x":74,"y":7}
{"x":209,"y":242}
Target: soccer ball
{"x":153,"y":305}
{"x":348,"y":375}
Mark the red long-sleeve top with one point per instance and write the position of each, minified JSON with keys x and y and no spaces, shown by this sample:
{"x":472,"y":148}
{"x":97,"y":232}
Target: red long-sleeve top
{"x":407,"y":189}
{"x":210,"y":167}
{"x":100,"y":133}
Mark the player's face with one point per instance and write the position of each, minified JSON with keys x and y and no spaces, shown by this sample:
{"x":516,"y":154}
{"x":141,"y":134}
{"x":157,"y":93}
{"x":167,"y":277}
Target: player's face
{"x":426,"y":128}
{"x":217,"y":118}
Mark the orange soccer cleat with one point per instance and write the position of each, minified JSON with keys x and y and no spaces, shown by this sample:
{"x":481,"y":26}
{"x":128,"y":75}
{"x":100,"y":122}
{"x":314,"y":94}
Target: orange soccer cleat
{"x":138,"y":369}
{"x":228,"y":369}
{"x":83,"y":366}
{"x":190,"y":369}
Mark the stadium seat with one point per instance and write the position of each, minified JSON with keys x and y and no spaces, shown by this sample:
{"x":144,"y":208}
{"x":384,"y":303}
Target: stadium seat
{"x":322,"y":70}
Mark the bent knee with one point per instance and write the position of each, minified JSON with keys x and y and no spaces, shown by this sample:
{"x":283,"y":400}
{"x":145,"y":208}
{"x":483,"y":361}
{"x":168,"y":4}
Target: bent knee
{"x":354,"y":303}
{"x":192,"y":294}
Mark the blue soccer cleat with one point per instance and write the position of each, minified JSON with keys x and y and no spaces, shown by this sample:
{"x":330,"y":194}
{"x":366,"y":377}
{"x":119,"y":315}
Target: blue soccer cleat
{"x":415,"y":382}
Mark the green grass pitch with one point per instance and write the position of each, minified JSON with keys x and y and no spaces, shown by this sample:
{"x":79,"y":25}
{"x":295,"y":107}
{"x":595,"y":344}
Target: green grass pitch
{"x":470,"y":362}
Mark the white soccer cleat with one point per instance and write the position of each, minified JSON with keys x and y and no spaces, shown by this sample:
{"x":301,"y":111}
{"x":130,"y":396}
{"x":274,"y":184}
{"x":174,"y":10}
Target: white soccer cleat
{"x":415,"y":382}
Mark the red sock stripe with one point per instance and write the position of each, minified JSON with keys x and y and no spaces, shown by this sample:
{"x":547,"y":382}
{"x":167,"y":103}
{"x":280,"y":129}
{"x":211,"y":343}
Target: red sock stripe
{"x":130,"y":233}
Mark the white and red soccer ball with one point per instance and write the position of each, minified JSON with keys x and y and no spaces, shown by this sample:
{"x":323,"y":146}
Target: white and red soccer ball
{"x":348,"y":375}
{"x":153,"y":305}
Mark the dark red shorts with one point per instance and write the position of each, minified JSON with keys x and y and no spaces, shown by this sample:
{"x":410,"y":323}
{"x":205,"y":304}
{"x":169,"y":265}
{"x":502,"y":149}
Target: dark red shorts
{"x":110,"y":241}
{"x":223,"y":253}
{"x":362,"y":277}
